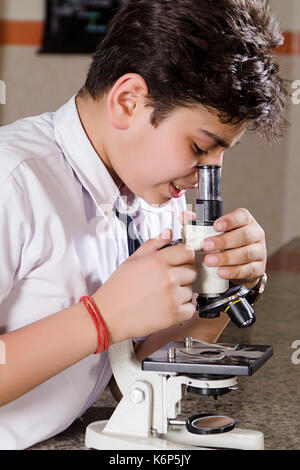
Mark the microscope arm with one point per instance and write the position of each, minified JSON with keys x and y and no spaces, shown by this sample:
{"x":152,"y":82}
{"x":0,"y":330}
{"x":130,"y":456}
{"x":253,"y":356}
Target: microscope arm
{"x":124,"y":363}
{"x":136,"y":384}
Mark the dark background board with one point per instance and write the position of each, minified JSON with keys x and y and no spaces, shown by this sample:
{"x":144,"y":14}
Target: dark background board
{"x":77,"y":26}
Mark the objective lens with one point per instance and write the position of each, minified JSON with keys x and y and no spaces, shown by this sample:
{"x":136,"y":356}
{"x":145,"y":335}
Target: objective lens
{"x":241,"y":313}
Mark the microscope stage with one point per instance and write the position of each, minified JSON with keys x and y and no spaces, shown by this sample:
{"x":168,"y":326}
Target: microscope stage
{"x":241,"y":360}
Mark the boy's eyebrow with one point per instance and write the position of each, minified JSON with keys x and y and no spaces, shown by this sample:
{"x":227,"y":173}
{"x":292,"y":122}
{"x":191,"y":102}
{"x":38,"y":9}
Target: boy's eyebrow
{"x":218,"y":140}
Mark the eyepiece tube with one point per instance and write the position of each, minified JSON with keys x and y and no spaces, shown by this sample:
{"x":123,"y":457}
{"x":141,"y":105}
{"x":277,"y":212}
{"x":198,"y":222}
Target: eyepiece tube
{"x":209,"y":204}
{"x":209,"y":183}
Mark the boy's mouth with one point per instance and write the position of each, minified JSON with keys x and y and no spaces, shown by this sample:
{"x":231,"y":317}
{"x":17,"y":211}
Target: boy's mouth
{"x":177,"y":186}
{"x":176,"y":190}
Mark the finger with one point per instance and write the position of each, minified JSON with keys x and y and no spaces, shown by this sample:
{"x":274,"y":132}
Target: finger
{"x":234,"y":239}
{"x":153,"y":244}
{"x":246,"y":272}
{"x":186,"y":311}
{"x":166,"y":234}
{"x":177,"y":255}
{"x":236,"y":256}
{"x":237,"y":218}
{"x":184,"y":275}
{"x":184,"y":294}
{"x":186,"y":216}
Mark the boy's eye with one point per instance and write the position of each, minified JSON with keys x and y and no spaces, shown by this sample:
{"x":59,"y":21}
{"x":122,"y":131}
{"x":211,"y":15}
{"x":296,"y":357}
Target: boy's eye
{"x":197,"y":150}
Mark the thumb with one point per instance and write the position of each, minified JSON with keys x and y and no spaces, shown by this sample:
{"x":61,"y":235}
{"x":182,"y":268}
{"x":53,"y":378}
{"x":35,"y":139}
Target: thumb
{"x":154,"y":244}
{"x":186,"y":216}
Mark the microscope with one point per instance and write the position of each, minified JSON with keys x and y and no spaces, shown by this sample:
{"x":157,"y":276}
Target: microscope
{"x":147,"y":416}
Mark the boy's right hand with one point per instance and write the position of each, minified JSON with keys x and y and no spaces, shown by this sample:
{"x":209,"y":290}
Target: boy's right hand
{"x":150,"y":291}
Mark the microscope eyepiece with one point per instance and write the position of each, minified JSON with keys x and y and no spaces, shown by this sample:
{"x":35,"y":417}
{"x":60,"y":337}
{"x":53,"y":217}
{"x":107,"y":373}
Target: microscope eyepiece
{"x":209,"y":203}
{"x":209,"y":183}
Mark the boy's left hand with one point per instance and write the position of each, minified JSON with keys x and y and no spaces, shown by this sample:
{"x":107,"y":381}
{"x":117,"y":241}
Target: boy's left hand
{"x":243,"y":239}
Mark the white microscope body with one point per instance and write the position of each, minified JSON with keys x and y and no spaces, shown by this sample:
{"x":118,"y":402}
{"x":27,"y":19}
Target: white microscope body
{"x":146,"y":416}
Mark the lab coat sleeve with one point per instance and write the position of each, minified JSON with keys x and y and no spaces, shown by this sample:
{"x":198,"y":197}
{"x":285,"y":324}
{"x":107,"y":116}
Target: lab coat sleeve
{"x":15,"y":235}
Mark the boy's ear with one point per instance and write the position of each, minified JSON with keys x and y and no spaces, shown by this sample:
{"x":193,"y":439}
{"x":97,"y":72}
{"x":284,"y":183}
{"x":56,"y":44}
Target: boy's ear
{"x":127,"y":94}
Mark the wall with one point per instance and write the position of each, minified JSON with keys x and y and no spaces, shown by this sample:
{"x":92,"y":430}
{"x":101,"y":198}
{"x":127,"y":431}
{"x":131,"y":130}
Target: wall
{"x":261,"y":177}
{"x":34,"y":82}
{"x":23,"y":10}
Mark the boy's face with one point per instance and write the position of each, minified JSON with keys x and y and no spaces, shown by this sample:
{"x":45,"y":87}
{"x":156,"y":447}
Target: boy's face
{"x":151,"y":160}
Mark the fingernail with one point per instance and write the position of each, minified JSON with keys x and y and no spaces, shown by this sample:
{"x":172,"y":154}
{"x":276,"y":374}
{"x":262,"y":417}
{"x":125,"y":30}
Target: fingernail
{"x":166,"y":233}
{"x":220,"y":226}
{"x":211,"y":260}
{"x":208,"y":245}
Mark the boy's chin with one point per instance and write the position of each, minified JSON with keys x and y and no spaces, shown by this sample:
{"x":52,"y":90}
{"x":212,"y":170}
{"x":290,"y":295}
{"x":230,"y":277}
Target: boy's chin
{"x":156,"y":200}
{"x":160,"y":203}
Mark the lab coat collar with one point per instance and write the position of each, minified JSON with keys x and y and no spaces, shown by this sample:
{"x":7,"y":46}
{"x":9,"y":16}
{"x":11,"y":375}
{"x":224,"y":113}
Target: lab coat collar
{"x":86,"y":163}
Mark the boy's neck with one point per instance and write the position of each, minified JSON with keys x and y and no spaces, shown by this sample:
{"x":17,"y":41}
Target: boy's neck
{"x":93,"y":119}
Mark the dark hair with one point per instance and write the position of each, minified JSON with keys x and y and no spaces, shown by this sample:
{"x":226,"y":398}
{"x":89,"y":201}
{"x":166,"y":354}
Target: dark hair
{"x":218,"y":53}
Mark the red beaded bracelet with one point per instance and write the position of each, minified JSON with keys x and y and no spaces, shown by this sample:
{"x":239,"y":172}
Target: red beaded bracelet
{"x":103,"y":338}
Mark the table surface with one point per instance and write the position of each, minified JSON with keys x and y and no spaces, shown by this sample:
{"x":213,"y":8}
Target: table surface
{"x":269,"y":400}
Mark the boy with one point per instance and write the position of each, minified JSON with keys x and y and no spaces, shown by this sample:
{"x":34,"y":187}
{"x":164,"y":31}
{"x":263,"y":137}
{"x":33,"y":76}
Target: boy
{"x":173,"y":85}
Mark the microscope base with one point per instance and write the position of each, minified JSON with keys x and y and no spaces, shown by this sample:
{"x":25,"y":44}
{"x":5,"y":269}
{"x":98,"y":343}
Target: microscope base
{"x":176,"y":439}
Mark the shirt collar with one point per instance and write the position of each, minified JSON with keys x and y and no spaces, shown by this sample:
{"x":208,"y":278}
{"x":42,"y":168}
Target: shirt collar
{"x":155,"y":208}
{"x":86,"y":163}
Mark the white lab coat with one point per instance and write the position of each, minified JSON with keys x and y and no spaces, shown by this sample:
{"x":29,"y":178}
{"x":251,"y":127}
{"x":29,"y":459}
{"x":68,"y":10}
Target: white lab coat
{"x":59,"y":240}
